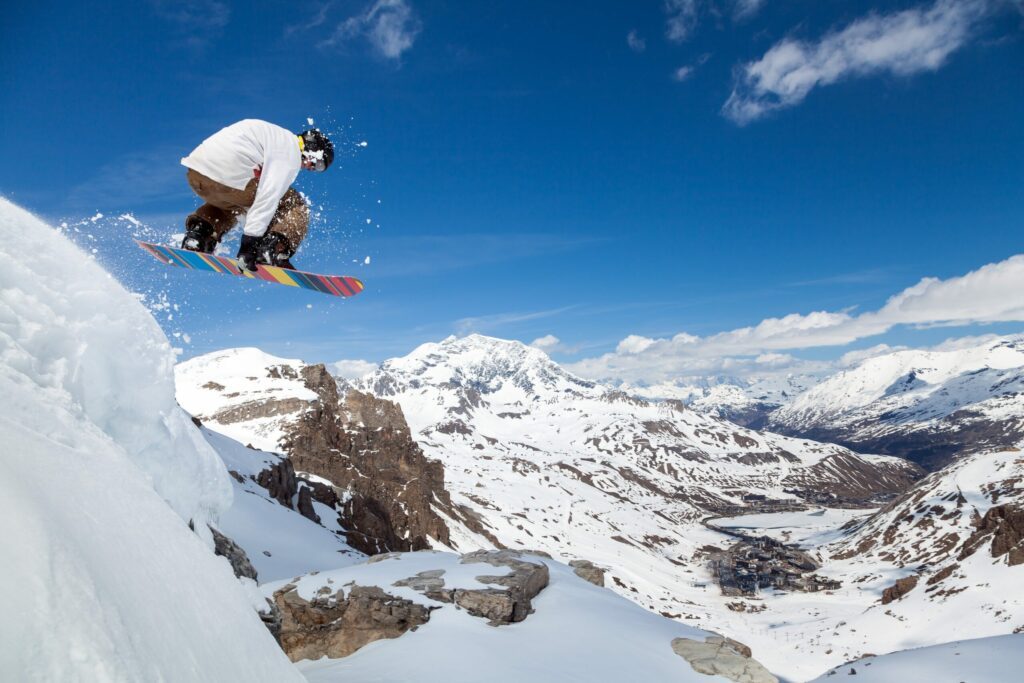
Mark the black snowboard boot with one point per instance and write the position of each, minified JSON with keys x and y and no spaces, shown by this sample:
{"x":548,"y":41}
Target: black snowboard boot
{"x":198,"y":235}
{"x":275,"y":250}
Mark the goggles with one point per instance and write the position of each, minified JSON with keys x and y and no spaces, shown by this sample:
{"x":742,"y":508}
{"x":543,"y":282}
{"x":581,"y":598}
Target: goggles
{"x":315,"y":160}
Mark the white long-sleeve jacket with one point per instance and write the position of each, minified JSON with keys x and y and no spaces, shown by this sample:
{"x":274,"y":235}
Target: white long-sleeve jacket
{"x":233,"y":156}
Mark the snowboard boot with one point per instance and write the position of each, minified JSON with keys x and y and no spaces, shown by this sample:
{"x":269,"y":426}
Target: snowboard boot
{"x":198,"y":235}
{"x":275,"y":250}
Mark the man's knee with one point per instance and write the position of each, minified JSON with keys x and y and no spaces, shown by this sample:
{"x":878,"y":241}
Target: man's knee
{"x":292,"y":217}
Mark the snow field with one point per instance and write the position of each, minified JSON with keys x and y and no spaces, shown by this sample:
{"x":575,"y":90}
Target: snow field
{"x":577,"y":633}
{"x":100,"y":574}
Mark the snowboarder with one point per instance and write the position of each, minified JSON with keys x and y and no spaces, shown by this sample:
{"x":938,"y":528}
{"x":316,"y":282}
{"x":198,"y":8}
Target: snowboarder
{"x":248,"y":168}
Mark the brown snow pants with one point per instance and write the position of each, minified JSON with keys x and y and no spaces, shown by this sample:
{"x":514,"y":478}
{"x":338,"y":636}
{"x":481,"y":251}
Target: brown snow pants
{"x":225,"y":204}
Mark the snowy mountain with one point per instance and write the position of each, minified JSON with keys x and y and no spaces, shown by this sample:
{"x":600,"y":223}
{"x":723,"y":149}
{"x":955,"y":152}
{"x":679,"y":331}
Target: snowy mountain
{"x":745,"y":401}
{"x":440,"y":616}
{"x":928,"y":406}
{"x":102,"y":577}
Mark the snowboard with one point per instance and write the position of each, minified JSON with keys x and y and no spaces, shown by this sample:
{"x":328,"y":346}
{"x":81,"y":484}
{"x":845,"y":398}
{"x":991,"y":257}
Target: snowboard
{"x":335,"y":285}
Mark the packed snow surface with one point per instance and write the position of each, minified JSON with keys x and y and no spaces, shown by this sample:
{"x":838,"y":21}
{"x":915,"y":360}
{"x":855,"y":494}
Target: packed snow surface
{"x":578,"y":632}
{"x":100,"y":576}
{"x":998,"y":659}
{"x":280,"y":542}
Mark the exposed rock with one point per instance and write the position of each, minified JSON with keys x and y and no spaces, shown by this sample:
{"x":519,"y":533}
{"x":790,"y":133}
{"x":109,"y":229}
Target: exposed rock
{"x":524,"y":582}
{"x":279,"y":480}
{"x":363,"y":444}
{"x":337,"y":625}
{"x":228,"y":549}
{"x":305,"y":505}
{"x":1004,"y":524}
{"x":588,"y":571}
{"x":428,"y":581}
{"x":718,"y":656}
{"x":271,"y":618}
{"x":899,"y":589}
{"x":506,"y":605}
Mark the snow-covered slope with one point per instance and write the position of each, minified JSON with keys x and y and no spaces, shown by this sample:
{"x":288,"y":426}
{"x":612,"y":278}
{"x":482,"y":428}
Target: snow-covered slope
{"x":279,"y":541}
{"x":577,"y":632}
{"x":745,"y":401}
{"x":99,"y":573}
{"x":926,"y":405}
{"x":998,"y":659}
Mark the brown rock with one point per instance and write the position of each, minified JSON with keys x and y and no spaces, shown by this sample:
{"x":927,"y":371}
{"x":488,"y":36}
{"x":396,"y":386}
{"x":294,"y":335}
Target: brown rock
{"x":363,"y":444}
{"x":588,"y":571}
{"x":1004,"y":525}
{"x":899,"y":589}
{"x":337,"y":625}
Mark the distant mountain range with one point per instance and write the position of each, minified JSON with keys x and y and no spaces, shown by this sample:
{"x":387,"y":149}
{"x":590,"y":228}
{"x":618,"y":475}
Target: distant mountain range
{"x":926,"y":406}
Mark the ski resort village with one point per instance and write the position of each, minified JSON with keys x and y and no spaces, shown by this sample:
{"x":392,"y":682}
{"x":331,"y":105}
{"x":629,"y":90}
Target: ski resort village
{"x":387,"y":341}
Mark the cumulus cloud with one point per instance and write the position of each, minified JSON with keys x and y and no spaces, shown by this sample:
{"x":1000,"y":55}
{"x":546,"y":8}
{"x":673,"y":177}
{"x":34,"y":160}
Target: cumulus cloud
{"x":546,"y":343}
{"x":352,"y":369}
{"x":635,"y":42}
{"x":681,"y":19}
{"x":901,"y":43}
{"x":390,"y":26}
{"x":988,"y":294}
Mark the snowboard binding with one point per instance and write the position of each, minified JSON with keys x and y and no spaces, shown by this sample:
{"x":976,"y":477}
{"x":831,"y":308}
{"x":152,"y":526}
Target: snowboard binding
{"x":199,"y":235}
{"x":275,"y":250}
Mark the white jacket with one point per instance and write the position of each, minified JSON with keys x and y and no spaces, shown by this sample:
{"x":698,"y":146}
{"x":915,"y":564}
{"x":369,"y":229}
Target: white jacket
{"x":233,"y":156}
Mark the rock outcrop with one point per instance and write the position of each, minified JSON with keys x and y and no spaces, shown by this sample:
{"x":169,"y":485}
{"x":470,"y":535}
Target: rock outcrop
{"x":336,"y":625}
{"x":719,"y":656}
{"x":899,"y":589}
{"x":1004,"y":525}
{"x":233,"y":553}
{"x":588,"y":571}
{"x":363,"y":445}
{"x":506,"y":605}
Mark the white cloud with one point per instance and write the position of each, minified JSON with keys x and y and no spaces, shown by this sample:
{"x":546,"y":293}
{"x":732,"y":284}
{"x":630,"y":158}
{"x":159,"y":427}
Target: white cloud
{"x":352,"y":369}
{"x":744,"y":9}
{"x":682,"y":19}
{"x":390,"y":26}
{"x":686,"y":71}
{"x":902,"y":43}
{"x":546,"y":343}
{"x":635,"y":42}
{"x":682,"y":73}
{"x":197,"y":21}
{"x":317,"y":19}
{"x":482,"y":324}
{"x":988,"y":294}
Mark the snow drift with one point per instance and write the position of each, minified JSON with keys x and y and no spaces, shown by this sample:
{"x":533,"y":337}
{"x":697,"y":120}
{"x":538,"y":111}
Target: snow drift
{"x":101,"y":579}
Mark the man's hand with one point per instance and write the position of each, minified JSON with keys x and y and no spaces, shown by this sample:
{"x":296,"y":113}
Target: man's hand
{"x":247,"y":252}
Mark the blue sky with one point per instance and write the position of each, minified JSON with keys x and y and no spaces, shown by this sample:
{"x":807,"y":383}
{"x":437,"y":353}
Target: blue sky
{"x":592,"y":172}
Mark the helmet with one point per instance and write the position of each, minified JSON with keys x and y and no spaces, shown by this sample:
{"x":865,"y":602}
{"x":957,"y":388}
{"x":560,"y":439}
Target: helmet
{"x":318,"y":148}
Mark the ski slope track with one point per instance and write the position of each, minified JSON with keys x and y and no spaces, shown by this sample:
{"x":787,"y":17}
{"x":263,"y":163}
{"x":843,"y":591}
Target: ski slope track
{"x":102,"y":579}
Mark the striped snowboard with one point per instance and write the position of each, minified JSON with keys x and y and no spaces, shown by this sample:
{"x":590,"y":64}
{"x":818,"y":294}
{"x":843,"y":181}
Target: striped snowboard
{"x":335,"y":285}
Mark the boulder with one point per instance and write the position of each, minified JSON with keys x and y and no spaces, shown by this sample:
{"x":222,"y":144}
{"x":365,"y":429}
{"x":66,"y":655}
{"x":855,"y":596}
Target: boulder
{"x":336,"y":625}
{"x":588,"y":571}
{"x":899,"y":589}
{"x":720,"y":656}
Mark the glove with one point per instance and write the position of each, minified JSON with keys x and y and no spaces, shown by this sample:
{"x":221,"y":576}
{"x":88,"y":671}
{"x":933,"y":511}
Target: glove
{"x":247,"y":251}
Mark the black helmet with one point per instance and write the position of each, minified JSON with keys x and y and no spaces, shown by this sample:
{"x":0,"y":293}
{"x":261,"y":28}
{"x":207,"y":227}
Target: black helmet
{"x":318,"y":148}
